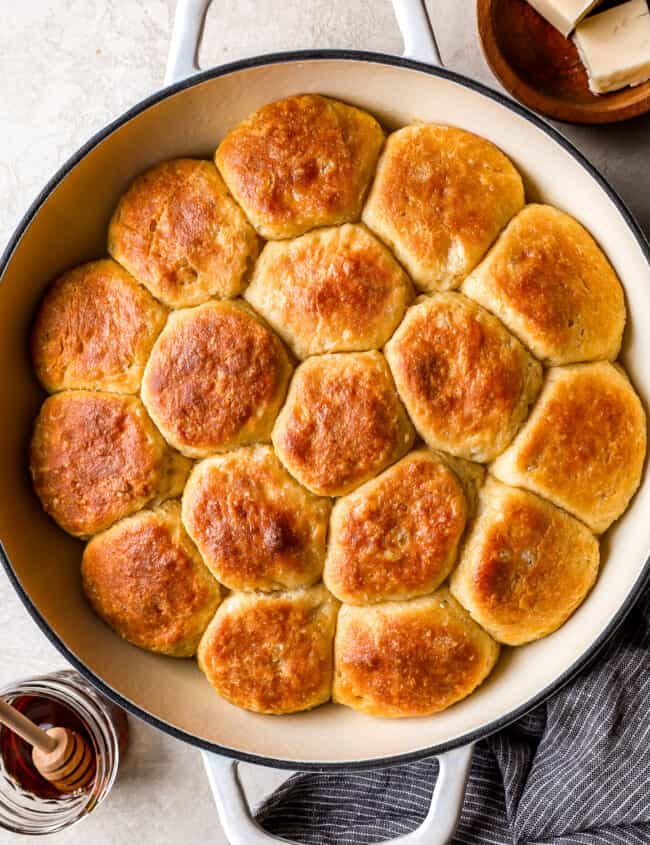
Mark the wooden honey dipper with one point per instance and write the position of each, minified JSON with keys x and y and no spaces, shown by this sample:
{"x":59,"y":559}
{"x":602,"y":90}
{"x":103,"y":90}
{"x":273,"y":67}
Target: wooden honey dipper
{"x":59,"y":755}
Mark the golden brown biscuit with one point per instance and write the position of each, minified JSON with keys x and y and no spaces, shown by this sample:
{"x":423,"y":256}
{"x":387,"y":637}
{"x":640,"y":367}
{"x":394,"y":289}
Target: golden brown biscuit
{"x":145,"y":578}
{"x":272,"y":653}
{"x":440,"y":197}
{"x":180,"y":233}
{"x":584,"y":444}
{"x":525,"y":566}
{"x":466,"y":382}
{"x":301,"y":162}
{"x":332,"y":290}
{"x":256,"y":528}
{"x":97,"y":457}
{"x":95,"y":329}
{"x":216,"y":379}
{"x":409,"y":658}
{"x":547,"y":279}
{"x":397,"y":536}
{"x":342,"y":422}
{"x":470,"y":475}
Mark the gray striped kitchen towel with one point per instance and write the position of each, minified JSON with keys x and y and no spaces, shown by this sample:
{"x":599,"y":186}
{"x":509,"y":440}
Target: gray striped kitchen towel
{"x":575,"y":771}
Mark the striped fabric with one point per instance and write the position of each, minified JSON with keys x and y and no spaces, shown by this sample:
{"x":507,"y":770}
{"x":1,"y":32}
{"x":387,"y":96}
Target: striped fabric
{"x":575,"y":771}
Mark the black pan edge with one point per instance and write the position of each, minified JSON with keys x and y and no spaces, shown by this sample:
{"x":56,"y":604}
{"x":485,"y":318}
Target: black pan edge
{"x":222,"y":70}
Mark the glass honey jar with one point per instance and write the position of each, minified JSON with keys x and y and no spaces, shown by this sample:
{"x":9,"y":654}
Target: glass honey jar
{"x":29,"y":804}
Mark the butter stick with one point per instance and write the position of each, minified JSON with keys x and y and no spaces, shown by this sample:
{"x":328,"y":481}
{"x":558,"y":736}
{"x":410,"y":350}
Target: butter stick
{"x":615,"y":46}
{"x":564,"y":14}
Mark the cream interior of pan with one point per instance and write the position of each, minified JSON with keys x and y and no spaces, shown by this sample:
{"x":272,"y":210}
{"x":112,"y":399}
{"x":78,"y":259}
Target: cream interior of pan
{"x":71,"y":227}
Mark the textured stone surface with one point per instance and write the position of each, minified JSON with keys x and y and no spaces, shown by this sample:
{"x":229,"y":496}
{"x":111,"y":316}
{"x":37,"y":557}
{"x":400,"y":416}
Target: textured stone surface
{"x":66,"y":68}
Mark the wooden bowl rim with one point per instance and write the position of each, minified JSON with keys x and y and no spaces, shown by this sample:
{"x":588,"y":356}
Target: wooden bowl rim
{"x":636,"y":101}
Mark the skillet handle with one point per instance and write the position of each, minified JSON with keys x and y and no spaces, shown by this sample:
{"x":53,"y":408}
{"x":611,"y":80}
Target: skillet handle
{"x":187,"y":31}
{"x":437,"y":829}
{"x":189,"y":20}
{"x":415,"y":25}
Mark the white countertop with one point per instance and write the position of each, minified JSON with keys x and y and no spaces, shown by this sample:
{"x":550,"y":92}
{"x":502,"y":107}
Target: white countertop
{"x":67,"y":67}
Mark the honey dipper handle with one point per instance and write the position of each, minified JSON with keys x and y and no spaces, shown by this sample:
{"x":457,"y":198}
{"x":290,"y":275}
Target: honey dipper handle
{"x":21,"y":725}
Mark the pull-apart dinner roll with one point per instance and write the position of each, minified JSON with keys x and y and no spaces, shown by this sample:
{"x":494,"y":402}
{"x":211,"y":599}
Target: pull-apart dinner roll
{"x":95,"y":329}
{"x":301,"y":162}
{"x":255,"y":526}
{"x":216,"y":378}
{"x":97,"y":457}
{"x":332,"y":290}
{"x":342,"y":422}
{"x":257,"y":315}
{"x":467,"y":383}
{"x":145,"y":579}
{"x":549,"y":282}
{"x":583,"y":445}
{"x":272,"y":653}
{"x":409,"y":658}
{"x":396,"y":537}
{"x":525,"y":567}
{"x":181,"y":234}
{"x":440,"y":197}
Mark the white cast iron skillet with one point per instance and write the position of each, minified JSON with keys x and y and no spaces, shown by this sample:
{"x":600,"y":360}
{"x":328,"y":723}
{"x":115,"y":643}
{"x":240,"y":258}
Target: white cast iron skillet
{"x":67,"y":225}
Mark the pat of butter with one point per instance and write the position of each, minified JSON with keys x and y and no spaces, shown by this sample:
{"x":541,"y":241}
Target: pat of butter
{"x":564,"y":14}
{"x":615,"y":46}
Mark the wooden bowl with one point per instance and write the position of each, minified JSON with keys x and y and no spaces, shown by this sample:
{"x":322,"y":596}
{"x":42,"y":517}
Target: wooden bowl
{"x":542,"y":69}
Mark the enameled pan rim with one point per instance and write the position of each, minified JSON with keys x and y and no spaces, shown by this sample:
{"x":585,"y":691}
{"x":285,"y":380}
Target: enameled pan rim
{"x":223,"y":70}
